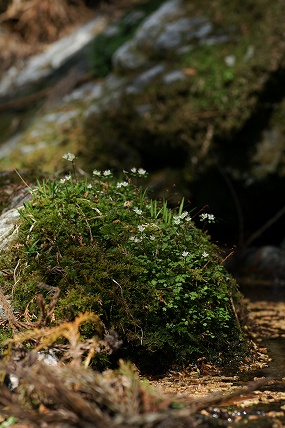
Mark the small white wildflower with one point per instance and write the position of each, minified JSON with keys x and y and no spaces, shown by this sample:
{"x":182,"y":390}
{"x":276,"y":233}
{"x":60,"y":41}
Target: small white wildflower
{"x":135,"y":239}
{"x":205,"y":254}
{"x":185,"y":253}
{"x":137,"y":211}
{"x":188,"y":218}
{"x":176,"y":220}
{"x":62,"y":180}
{"x":184,"y":214}
{"x":107,"y":173}
{"x":211,"y":218}
{"x":133,"y":170}
{"x":67,"y":177}
{"x":141,"y":171}
{"x":89,"y":186}
{"x":96,"y":172}
{"x":69,"y":157}
{"x":122,"y":184}
{"x":141,"y":227}
{"x":206,"y":216}
{"x":152,"y":238}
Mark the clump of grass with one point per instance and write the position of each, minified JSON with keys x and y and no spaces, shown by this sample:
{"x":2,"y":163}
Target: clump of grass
{"x":147,"y":271}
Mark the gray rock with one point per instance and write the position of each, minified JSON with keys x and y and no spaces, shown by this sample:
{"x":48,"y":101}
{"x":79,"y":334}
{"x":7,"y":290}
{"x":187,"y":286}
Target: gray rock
{"x":43,"y":64}
{"x":173,"y":76}
{"x":128,"y":57}
{"x":183,"y":30}
{"x":8,"y":227}
{"x":131,"y":55}
{"x":144,"y":79}
{"x":164,"y":31}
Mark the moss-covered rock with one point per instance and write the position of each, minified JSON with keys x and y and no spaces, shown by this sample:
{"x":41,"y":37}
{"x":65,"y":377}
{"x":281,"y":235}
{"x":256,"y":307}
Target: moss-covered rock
{"x":150,"y":273}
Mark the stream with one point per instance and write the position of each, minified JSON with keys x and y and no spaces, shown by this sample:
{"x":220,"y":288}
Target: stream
{"x":266,"y":406}
{"x":272,"y":319}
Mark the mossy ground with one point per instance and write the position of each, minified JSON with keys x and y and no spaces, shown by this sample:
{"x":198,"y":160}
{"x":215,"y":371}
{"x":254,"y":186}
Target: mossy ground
{"x":151,"y":275}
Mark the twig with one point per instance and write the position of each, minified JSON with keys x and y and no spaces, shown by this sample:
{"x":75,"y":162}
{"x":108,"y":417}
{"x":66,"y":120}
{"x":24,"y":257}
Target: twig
{"x":19,"y":175}
{"x":235,"y":313}
{"x":227,"y":257}
{"x":220,"y":398}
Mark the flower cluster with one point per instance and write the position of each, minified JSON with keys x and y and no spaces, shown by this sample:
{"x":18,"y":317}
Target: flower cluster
{"x":65,"y":179}
{"x":140,"y":172}
{"x":106,"y":173}
{"x":177,"y":219}
{"x":122,"y":184}
{"x":141,"y":228}
{"x":209,"y":217}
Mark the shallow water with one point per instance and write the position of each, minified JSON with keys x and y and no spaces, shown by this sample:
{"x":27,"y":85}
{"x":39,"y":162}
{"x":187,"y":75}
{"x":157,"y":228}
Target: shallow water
{"x":275,"y":346}
{"x":276,"y":351}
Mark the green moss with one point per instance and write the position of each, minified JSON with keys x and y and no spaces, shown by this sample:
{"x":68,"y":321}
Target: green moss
{"x":151,"y":276}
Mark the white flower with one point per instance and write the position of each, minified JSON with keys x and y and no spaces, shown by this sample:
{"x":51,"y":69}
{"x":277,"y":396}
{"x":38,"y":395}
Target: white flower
{"x":122,"y":184}
{"x":89,"y":186}
{"x":69,"y":157}
{"x":137,"y":211}
{"x":133,"y":170}
{"x":176,"y":220}
{"x":188,"y":218}
{"x":141,"y":228}
{"x":205,"y":255}
{"x":184,"y":214}
{"x":209,"y":217}
{"x":152,"y":238}
{"x":185,"y":253}
{"x":96,"y":172}
{"x":135,"y":239}
{"x":141,"y":171}
{"x":65,"y":179}
{"x":107,"y":173}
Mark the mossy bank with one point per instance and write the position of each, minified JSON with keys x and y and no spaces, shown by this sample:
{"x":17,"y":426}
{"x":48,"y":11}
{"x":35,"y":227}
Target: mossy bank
{"x":148,"y":272}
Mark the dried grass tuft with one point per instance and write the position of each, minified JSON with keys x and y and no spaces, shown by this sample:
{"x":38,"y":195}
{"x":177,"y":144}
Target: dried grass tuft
{"x":43,"y":21}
